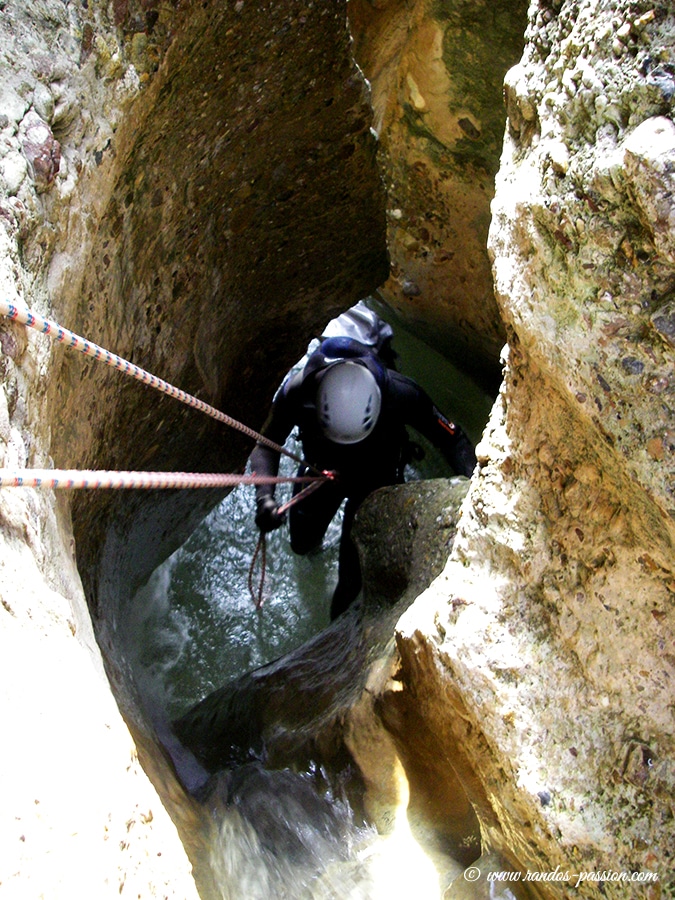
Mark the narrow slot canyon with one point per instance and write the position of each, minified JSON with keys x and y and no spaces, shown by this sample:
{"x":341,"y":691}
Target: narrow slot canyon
{"x":201,"y":188}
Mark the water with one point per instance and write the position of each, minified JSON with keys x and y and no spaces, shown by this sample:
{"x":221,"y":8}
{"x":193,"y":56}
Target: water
{"x":194,"y":626}
{"x":285,"y":835}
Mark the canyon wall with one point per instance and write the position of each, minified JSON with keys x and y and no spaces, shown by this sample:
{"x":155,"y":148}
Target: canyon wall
{"x":545,"y":650}
{"x":437,"y":69}
{"x":197,"y":188}
{"x":193,"y":187}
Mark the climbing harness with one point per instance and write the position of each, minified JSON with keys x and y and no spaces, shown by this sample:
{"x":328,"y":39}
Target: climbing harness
{"x":91,"y":479}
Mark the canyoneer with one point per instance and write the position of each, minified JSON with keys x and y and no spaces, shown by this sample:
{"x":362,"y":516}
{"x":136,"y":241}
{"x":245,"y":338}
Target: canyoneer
{"x":351,"y":408}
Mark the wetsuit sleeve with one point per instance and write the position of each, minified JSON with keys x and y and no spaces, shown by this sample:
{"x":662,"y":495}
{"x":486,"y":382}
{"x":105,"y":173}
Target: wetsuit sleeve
{"x":419,"y":411}
{"x":264,"y":460}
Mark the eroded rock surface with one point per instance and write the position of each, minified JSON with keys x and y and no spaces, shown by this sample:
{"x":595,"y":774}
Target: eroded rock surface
{"x":437,"y":72}
{"x":280,"y":709}
{"x":141,"y":147}
{"x":551,"y":631}
{"x":331,"y":707}
{"x":194,"y":187}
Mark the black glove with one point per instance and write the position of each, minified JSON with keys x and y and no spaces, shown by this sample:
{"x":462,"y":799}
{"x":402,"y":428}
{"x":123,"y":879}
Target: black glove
{"x":463,"y":455}
{"x":267,"y":516}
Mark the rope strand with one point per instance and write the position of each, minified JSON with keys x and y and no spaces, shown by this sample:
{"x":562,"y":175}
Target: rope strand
{"x":83,"y":478}
{"x":92,"y":479}
{"x":301,"y":495}
{"x":88,"y":348}
{"x":260,"y":550}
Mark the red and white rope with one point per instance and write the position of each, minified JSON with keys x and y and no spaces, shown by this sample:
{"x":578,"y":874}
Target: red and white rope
{"x":83,"y":478}
{"x":58,"y":333}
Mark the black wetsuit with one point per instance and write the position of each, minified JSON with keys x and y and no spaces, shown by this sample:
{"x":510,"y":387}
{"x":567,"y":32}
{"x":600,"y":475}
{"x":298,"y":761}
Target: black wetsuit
{"x":377,"y":460}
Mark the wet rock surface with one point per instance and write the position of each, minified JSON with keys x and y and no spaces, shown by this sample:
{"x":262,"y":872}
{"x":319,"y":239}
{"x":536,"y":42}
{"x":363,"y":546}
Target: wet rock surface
{"x":334,"y":705}
{"x":278,"y":709}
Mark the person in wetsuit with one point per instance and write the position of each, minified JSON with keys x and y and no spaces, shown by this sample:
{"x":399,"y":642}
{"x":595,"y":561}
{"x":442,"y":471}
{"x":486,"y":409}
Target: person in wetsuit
{"x":351,"y":411}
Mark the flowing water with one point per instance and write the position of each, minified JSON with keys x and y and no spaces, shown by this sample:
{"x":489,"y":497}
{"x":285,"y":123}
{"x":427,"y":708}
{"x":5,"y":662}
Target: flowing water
{"x":196,"y":625}
{"x":193,"y":627}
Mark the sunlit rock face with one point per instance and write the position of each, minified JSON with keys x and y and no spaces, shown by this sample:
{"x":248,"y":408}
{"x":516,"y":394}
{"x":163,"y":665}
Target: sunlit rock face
{"x":550,"y":633}
{"x":437,"y":71}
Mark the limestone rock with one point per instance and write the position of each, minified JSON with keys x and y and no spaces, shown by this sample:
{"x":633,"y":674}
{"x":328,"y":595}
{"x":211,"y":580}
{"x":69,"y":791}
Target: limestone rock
{"x":194,"y":187}
{"x":648,"y":158}
{"x":42,"y":151}
{"x":548,"y":632}
{"x":436,"y":72}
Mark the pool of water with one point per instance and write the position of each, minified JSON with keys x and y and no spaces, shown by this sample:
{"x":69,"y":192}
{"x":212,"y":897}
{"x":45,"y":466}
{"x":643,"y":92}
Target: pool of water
{"x":194,"y":625}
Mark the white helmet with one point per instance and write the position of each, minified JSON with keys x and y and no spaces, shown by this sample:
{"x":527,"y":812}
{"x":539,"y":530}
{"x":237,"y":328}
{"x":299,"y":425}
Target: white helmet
{"x":348,"y":402}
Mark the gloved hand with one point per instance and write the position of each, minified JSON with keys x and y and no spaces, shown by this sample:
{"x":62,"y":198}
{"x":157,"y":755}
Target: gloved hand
{"x":463,"y":455}
{"x":267,"y":516}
